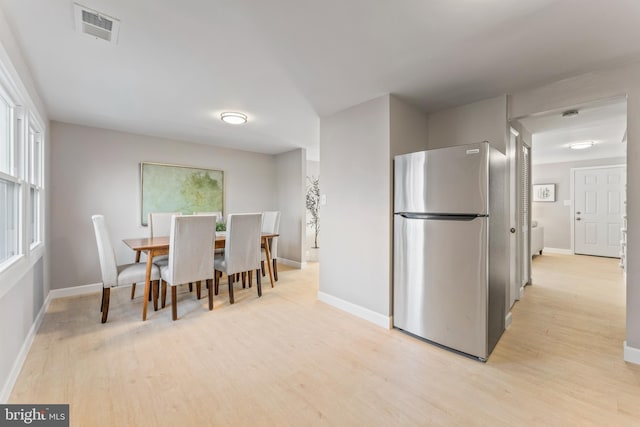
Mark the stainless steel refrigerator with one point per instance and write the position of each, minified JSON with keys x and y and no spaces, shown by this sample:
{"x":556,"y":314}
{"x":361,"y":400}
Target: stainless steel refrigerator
{"x":450,"y":237}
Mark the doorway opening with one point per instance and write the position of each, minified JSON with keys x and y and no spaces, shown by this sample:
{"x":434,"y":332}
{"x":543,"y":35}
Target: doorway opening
{"x":313,"y":202}
{"x":577,"y":188}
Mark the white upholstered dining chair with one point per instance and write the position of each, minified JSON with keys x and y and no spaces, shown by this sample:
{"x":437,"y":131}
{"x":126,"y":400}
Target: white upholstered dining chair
{"x":218,"y":215}
{"x":219,"y":218}
{"x":159,"y":224}
{"x":191,"y":255}
{"x":114,"y":275}
{"x":242,"y":250}
{"x":271,"y":225}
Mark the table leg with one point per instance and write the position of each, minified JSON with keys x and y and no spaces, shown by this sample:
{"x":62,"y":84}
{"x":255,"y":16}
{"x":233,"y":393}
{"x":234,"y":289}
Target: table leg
{"x":133,"y":286}
{"x":147,"y":285}
{"x":267,"y":253}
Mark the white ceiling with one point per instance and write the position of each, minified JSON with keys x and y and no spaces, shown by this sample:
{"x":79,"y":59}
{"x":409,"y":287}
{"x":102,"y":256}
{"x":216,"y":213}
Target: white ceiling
{"x":285,"y":63}
{"x":605,"y":124}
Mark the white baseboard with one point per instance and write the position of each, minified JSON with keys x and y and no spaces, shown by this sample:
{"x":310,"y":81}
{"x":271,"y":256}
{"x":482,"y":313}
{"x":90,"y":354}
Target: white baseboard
{"x":75,"y":290}
{"x":22,"y":354}
{"x":557,"y":251}
{"x":364,"y":313}
{"x":507,"y":321}
{"x":631,"y":354}
{"x":521,"y":292}
{"x":28,"y":340}
{"x":290,"y":263}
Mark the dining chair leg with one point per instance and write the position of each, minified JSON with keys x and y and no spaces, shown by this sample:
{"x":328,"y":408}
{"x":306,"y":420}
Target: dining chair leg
{"x":216,"y":281}
{"x":164,"y":293}
{"x":262,"y":268}
{"x":105,"y":304}
{"x":210,"y":287}
{"x":133,"y":291}
{"x":244,"y":279}
{"x":174,"y":303}
{"x":102,"y":300}
{"x":191,"y":287}
{"x":156,"y":284}
{"x":198,"y":290}
{"x":275,"y":269}
{"x":230,"y":287}
{"x":250,"y":274}
{"x":258,"y":283}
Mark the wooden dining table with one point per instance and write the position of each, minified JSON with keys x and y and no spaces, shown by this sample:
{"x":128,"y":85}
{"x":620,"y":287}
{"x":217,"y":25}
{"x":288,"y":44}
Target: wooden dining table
{"x":155,"y":246}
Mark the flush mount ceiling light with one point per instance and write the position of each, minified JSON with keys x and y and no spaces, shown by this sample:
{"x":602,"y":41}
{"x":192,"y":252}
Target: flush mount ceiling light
{"x":570,"y":113}
{"x":234,"y":118}
{"x":581,"y":145}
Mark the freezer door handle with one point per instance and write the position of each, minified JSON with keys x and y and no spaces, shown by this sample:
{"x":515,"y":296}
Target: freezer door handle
{"x":469,"y":217}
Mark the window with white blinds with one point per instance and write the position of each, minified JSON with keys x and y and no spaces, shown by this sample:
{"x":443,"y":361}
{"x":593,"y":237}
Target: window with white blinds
{"x":21,"y":176}
{"x":35,"y":184}
{"x":10,"y":183}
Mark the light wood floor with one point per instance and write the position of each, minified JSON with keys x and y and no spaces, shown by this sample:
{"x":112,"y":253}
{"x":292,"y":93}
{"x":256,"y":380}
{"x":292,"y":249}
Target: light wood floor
{"x":288,"y":360}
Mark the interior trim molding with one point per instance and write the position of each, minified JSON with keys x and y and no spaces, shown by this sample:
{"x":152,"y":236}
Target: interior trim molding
{"x":5,"y":392}
{"x":631,"y":354}
{"x":557,"y":251}
{"x":76,"y":290}
{"x":358,"y":311}
{"x":290,"y":263}
{"x":507,"y":321}
{"x":22,"y":354}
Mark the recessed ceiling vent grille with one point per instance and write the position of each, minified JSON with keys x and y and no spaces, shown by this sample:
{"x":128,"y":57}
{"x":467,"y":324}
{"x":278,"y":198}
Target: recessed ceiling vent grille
{"x":96,"y":24}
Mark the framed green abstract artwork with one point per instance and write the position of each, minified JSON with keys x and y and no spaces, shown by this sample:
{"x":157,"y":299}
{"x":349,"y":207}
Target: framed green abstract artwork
{"x":171,"y":188}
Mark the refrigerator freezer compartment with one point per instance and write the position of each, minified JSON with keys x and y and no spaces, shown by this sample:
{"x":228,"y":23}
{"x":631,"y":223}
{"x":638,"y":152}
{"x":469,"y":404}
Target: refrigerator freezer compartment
{"x":448,"y":180}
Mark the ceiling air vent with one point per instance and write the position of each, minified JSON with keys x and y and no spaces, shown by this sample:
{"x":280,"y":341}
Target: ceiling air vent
{"x":96,"y":24}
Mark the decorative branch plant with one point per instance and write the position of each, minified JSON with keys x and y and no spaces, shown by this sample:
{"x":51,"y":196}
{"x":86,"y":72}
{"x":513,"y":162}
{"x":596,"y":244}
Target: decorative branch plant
{"x":313,"y":206}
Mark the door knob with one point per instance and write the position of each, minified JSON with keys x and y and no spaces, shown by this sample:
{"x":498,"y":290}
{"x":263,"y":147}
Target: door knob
{"x":578,"y":213}
{"x":512,"y":230}
{"x":577,"y":219}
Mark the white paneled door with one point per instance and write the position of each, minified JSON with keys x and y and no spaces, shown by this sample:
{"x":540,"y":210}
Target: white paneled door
{"x":599,"y":197}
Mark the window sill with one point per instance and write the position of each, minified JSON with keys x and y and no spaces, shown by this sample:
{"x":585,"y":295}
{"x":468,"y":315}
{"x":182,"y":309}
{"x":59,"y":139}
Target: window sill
{"x":8,"y":263}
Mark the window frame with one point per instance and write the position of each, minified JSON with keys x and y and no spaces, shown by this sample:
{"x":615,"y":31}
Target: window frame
{"x":14,"y":174}
{"x":34,"y":146}
{"x":23,"y":113}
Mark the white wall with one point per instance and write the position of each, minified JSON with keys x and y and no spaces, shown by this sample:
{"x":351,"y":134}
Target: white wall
{"x":290,"y":184}
{"x":408,"y":128}
{"x":97,"y":171}
{"x":355,"y":171}
{"x":555,"y":217}
{"x":480,"y":121}
{"x":356,"y":147}
{"x":313,"y":168}
{"x":587,"y":88}
{"x":24,"y":286}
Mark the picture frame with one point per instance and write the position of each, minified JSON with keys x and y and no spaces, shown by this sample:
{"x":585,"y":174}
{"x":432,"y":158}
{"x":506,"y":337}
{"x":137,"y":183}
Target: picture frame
{"x":544,"y":192}
{"x":175,"y":188}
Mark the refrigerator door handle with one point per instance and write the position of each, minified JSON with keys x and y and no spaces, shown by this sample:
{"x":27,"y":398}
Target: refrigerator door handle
{"x":469,"y":217}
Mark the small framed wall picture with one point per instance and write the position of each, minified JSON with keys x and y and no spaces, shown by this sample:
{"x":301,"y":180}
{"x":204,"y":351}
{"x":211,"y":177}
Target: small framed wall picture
{"x":544,"y":192}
